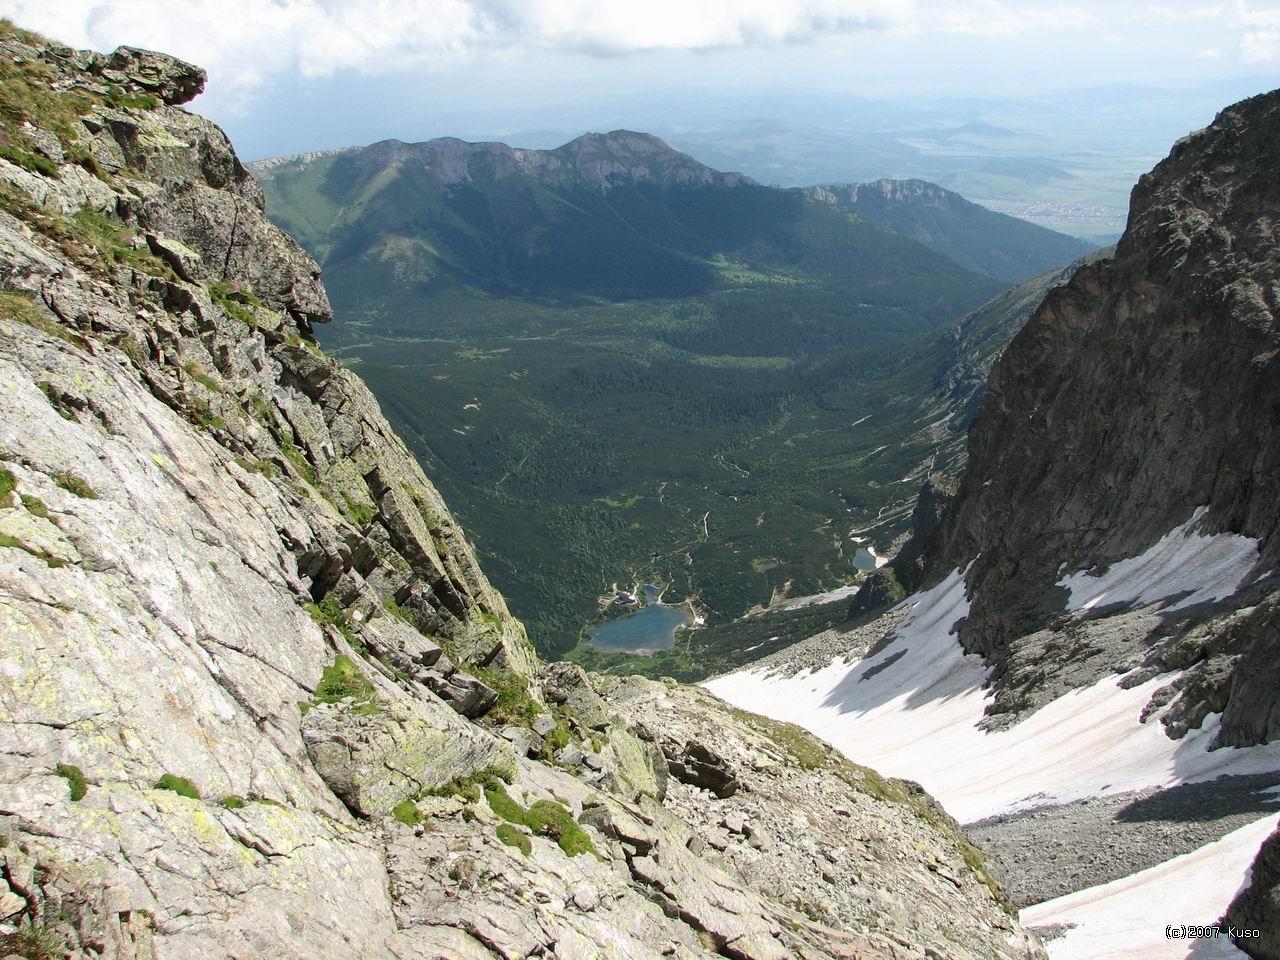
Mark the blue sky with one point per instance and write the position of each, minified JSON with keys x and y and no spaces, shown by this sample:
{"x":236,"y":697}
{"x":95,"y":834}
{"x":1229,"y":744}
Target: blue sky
{"x":288,"y":75}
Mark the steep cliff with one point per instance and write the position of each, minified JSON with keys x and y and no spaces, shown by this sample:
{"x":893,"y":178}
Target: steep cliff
{"x":1256,"y":909}
{"x":257,"y":698}
{"x":1128,"y":453}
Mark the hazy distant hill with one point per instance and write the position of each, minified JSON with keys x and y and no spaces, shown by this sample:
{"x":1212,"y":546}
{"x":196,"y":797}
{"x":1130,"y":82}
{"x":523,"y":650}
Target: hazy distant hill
{"x":618,"y":216}
{"x":974,"y":237}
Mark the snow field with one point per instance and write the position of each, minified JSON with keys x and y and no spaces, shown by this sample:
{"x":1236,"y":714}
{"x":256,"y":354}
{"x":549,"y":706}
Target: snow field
{"x":1126,"y":919}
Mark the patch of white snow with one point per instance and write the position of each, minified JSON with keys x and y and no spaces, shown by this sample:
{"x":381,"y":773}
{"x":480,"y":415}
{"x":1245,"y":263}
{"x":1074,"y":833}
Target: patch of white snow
{"x":912,"y":710}
{"x":1182,"y":561}
{"x":839,"y":593}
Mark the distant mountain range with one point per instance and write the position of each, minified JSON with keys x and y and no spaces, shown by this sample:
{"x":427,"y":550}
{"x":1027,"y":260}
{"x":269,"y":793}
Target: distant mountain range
{"x":972,"y":236}
{"x":325,"y":195}
{"x":609,"y":355}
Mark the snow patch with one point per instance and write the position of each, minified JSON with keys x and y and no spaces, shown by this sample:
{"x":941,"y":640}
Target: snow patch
{"x":840,"y":593}
{"x":1125,"y":919}
{"x":1182,"y":561}
{"x":917,"y":716}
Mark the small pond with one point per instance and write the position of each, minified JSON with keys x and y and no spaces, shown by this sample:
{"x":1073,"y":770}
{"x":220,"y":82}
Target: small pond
{"x":647,"y":630}
{"x":866,"y":560}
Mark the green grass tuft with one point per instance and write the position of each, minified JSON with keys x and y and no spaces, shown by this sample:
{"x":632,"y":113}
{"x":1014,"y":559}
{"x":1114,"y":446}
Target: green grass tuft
{"x":407,"y":812}
{"x":35,"y":506}
{"x":12,"y":542}
{"x":196,"y":373}
{"x":299,"y":460}
{"x":32,"y":162}
{"x":8,"y":482}
{"x":515,"y":707}
{"x":33,"y":941}
{"x":389,"y":604}
{"x":75,"y":484}
{"x":115,"y":241}
{"x":554,"y":818}
{"x":131,"y":101}
{"x":264,"y":467}
{"x":179,"y":785}
{"x":235,"y":302}
{"x":233,"y":802}
{"x":75,"y":779}
{"x":512,"y":836}
{"x":343,"y":679}
{"x":545,"y":817}
{"x":20,"y":307}
{"x":557,"y":739}
{"x":328,"y":612}
{"x":501,"y":803}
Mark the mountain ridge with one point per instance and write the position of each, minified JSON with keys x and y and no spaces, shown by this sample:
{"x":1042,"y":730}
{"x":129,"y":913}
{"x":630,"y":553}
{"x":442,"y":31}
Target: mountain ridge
{"x":973,"y":236}
{"x":941,"y":219}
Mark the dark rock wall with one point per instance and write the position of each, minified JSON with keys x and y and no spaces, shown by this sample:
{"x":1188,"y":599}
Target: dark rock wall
{"x":1146,"y":387}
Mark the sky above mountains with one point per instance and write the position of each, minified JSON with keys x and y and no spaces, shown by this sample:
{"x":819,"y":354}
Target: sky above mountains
{"x":290,"y":75}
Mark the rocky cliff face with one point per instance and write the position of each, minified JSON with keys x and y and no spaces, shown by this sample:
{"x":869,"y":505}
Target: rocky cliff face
{"x":1136,"y":416}
{"x":257,"y":697}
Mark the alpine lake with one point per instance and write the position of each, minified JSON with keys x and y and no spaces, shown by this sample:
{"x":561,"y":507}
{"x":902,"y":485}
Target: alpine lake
{"x":648,"y":630}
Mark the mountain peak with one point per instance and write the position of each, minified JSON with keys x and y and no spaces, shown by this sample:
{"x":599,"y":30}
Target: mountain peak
{"x":626,"y":156}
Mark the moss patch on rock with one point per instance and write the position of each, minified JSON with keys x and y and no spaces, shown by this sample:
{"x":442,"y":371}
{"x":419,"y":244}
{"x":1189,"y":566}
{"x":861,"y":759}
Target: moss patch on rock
{"x":513,"y":836}
{"x":75,"y":779}
{"x":545,"y":817}
{"x":179,"y":785}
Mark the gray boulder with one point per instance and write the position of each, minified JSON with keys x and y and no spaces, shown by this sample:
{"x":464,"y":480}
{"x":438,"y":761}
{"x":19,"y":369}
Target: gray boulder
{"x":373,"y":761}
{"x":568,"y":684}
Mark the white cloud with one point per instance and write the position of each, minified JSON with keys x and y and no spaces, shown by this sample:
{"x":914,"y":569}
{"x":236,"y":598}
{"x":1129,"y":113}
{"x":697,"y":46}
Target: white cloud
{"x":1260,"y":46}
{"x":1154,"y":13}
{"x":1258,"y":27}
{"x":1261,"y":41}
{"x":242,"y":39}
{"x":243,"y":42}
{"x":992,"y":18}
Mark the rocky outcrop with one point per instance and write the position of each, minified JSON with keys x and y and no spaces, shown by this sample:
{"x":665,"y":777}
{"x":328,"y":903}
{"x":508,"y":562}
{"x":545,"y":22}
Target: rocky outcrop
{"x":257,"y":698}
{"x":147,"y":72}
{"x":374,"y":758}
{"x":1137,"y":398}
{"x":805,"y":826}
{"x":56,"y":904}
{"x":908,"y":564}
